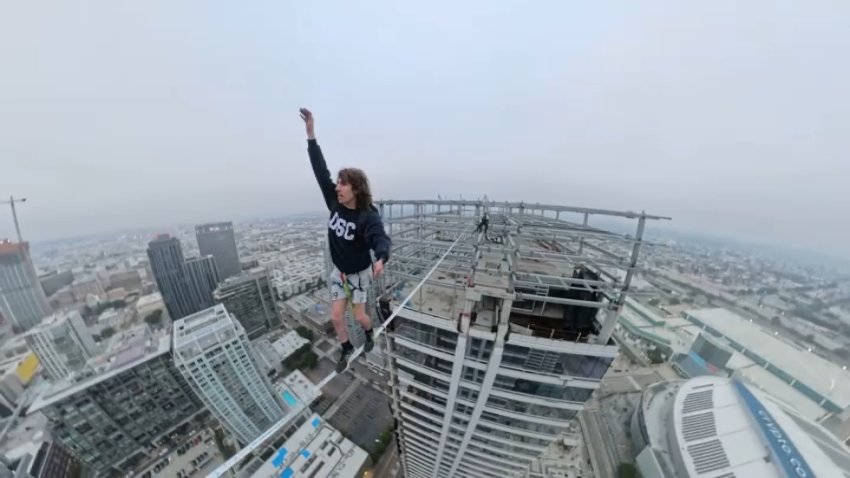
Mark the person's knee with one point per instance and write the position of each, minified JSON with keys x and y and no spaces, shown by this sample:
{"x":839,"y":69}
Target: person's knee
{"x":338,"y":315}
{"x":363,"y":317}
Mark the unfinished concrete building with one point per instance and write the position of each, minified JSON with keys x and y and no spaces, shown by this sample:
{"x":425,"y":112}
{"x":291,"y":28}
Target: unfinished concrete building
{"x":500,"y":348}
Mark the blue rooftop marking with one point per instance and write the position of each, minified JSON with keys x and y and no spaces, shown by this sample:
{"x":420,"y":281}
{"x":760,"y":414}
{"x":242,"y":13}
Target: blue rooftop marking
{"x":278,"y":459}
{"x":287,"y":473}
{"x":305,"y":453}
{"x":316,"y":422}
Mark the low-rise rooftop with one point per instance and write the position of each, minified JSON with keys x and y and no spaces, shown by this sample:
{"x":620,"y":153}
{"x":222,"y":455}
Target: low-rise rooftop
{"x":103,"y":367}
{"x":824,"y":379}
{"x":148,"y":300}
{"x":317,"y":450}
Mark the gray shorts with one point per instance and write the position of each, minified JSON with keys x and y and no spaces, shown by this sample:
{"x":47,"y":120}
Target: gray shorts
{"x":358,"y":285}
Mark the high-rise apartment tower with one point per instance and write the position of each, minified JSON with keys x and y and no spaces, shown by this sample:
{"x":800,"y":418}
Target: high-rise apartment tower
{"x":202,"y":276}
{"x":22,"y":299}
{"x":212,"y":351}
{"x":249,"y":297}
{"x":166,"y":260}
{"x":217,"y":239}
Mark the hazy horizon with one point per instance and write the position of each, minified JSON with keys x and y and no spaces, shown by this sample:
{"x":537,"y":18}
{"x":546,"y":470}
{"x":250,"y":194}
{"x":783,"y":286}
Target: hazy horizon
{"x":731,"y":118}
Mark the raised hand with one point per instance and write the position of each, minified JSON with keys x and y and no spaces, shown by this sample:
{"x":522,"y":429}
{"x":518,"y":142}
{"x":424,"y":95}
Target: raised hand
{"x":307,"y":116}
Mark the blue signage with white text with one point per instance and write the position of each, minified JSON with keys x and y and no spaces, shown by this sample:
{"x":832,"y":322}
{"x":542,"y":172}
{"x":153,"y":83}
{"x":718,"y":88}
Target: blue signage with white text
{"x":786,"y":453}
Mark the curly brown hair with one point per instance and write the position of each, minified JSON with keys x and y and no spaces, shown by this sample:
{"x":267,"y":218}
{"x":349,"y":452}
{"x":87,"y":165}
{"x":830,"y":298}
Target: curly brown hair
{"x":359,"y":185}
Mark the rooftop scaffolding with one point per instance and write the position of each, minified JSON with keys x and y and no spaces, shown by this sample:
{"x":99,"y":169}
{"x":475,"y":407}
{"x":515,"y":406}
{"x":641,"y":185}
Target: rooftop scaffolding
{"x":558,"y":272}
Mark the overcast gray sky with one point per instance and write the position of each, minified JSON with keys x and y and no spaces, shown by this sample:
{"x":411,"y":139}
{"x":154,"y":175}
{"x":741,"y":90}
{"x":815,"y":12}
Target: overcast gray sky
{"x":730,"y":116}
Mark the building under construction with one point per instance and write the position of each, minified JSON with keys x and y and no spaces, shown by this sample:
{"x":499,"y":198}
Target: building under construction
{"x":500,"y":331}
{"x":507,"y":339}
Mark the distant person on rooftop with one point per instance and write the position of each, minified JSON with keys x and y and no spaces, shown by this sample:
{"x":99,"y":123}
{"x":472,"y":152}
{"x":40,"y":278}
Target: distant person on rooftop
{"x":354,"y":229}
{"x":483,"y":223}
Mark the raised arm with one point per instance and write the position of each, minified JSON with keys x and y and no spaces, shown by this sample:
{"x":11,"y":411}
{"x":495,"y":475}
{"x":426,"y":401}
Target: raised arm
{"x":317,"y":160}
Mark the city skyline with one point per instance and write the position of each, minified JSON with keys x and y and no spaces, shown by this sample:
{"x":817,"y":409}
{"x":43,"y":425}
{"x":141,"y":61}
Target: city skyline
{"x":508,"y":373}
{"x":617,"y":245}
{"x":665,"y":231}
{"x":742,"y":137}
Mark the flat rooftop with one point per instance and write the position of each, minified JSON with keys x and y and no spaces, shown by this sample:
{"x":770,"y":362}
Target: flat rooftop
{"x":303,"y":388}
{"x":654,"y":329}
{"x":316,"y":449}
{"x":51,"y":321}
{"x":9,"y":247}
{"x":149,"y":299}
{"x":192,"y":327}
{"x":245,"y":276}
{"x":203,"y":330}
{"x":823,"y":377}
{"x":107,"y":366}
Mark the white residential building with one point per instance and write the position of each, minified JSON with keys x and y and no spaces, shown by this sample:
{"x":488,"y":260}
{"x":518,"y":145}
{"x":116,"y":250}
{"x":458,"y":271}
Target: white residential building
{"x":212,"y":351}
{"x":62,"y":343}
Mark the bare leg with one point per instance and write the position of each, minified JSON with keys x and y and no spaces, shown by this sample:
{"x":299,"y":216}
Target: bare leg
{"x":362,"y":316}
{"x":338,"y":319}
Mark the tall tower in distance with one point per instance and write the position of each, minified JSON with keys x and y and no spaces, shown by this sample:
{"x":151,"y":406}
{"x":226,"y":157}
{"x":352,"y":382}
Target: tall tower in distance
{"x":202,"y":274}
{"x":249,"y":298}
{"x":502,"y":346}
{"x":212,"y":351}
{"x":218,"y":240}
{"x":22,"y":299}
{"x":166,"y":261}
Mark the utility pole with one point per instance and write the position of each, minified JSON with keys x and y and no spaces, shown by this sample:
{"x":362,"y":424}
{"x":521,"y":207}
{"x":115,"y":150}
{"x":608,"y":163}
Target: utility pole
{"x":12,"y":202}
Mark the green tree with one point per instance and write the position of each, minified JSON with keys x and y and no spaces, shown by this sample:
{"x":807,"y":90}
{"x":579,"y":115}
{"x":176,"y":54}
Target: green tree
{"x":305,"y":332}
{"x":303,"y":358}
{"x":107,"y":332}
{"x":225,"y":450}
{"x":627,"y":470}
{"x":381,"y":445}
{"x":154,"y":318}
{"x":310,"y":360}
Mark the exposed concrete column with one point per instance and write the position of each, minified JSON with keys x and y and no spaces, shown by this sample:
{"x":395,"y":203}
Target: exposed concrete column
{"x":487,"y":383}
{"x":608,"y":324}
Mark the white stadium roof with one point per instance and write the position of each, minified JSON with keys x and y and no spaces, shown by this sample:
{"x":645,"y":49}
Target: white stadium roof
{"x":720,"y":428}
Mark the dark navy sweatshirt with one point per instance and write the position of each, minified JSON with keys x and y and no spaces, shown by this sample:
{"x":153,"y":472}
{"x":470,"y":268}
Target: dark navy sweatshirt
{"x":351,"y":232}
